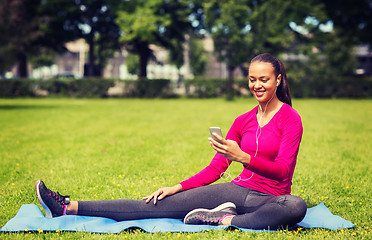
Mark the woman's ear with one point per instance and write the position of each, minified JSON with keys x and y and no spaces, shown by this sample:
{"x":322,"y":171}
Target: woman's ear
{"x":278,"y":79}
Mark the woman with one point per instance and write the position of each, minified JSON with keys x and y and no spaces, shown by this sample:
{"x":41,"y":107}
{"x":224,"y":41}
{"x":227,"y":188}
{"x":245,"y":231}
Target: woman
{"x":264,"y":140}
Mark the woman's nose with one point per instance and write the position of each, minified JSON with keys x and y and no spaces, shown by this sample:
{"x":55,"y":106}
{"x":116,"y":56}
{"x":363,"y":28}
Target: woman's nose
{"x":257,"y":85}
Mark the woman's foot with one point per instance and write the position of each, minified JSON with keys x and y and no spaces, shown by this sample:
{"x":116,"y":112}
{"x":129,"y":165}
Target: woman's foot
{"x":211,"y":217}
{"x":54,"y":204}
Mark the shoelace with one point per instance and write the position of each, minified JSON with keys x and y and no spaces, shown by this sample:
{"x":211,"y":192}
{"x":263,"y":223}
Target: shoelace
{"x":211,"y":221}
{"x":63,"y":200}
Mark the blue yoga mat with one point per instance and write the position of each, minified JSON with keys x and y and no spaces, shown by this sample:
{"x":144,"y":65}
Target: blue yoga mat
{"x":30,"y":218}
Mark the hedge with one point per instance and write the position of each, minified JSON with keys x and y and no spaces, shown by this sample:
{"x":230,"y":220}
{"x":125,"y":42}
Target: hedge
{"x":145,"y":88}
{"x":17,"y":88}
{"x":86,"y":87}
{"x":346,"y":87}
{"x":213,"y":87}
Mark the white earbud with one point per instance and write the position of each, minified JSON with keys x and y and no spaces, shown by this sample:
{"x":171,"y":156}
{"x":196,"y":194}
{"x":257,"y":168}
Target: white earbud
{"x":277,"y":82}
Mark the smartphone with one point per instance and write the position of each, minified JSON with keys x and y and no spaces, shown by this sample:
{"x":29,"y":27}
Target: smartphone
{"x":215,"y":130}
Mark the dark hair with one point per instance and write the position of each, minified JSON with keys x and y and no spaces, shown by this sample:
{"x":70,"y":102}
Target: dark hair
{"x":282,"y":92}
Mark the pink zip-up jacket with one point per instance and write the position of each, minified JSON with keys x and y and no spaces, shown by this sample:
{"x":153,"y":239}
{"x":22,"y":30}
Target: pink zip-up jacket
{"x":271,"y":171}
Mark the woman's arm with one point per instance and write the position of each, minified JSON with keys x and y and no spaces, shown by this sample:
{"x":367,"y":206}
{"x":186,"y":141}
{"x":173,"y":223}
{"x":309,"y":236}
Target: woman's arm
{"x":283,"y":163}
{"x":208,"y":175}
{"x":218,"y":165}
{"x":230,"y":150}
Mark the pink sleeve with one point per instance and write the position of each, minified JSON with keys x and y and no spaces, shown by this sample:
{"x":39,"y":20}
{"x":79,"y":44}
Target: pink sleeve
{"x":215,"y":169}
{"x":209,"y":174}
{"x":285,"y":161}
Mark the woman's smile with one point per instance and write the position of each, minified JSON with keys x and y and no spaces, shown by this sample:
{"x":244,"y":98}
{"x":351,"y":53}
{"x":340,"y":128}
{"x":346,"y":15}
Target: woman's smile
{"x":259,"y":93}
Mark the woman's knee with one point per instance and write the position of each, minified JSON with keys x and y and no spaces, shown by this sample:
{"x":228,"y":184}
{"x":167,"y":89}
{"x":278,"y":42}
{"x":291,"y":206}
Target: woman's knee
{"x":297,"y":207}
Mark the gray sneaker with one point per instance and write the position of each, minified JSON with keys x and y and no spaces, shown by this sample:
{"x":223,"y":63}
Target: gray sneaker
{"x":210,"y":217}
{"x":54,"y":204}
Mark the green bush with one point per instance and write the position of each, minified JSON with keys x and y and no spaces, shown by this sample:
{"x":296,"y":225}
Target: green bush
{"x":145,"y":88}
{"x":86,"y":87}
{"x":344,"y":87}
{"x":90,"y":87}
{"x":205,"y":87}
{"x":56,"y":87}
{"x":212,"y":87}
{"x":17,"y":88}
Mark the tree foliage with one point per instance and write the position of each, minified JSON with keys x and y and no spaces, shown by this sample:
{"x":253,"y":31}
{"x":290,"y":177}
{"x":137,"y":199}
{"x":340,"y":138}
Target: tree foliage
{"x":96,"y":23}
{"x":34,"y":30}
{"x":352,"y":18}
{"x":198,"y":56}
{"x":176,"y":53}
{"x":242,"y":29}
{"x":31,"y":27}
{"x":26,"y":29}
{"x":132,"y":62}
{"x":163,"y":23}
{"x":227,"y":21}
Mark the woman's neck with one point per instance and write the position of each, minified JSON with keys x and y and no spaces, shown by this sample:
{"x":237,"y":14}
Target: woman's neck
{"x":267,"y":111}
{"x":271,"y":106}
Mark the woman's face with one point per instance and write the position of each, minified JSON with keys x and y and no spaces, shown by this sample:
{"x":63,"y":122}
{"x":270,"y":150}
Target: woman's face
{"x":262,"y":81}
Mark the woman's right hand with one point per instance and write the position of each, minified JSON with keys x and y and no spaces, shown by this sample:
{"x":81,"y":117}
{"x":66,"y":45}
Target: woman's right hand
{"x":162,"y":193}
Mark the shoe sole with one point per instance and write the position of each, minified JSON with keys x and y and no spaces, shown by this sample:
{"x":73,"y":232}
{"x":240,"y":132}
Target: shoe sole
{"x":48,"y":213}
{"x":220,"y":207}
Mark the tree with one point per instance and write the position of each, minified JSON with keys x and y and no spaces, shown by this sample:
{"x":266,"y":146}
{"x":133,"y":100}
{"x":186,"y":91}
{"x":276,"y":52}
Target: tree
{"x":132,"y":62}
{"x":198,"y":56}
{"x":176,"y":54}
{"x":227,"y":21}
{"x":7,"y":16}
{"x":352,"y":18}
{"x":145,"y":22}
{"x":29,"y":27}
{"x":242,"y":29}
{"x":33,"y":26}
{"x":96,"y":22}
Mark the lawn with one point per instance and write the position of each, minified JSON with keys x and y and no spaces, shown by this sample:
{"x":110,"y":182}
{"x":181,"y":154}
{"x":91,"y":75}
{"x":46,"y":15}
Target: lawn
{"x":96,"y":149}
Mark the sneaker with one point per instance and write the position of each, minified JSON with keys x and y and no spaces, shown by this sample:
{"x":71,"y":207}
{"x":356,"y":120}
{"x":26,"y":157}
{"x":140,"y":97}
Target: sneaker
{"x":54,"y":204}
{"x":211,"y":217}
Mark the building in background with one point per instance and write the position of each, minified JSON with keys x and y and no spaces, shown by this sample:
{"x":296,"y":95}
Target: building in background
{"x":364,"y":56}
{"x":71,"y":63}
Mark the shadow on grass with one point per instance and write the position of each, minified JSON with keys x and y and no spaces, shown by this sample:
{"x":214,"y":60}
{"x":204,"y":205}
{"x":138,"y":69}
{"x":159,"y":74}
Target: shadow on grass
{"x":15,"y":107}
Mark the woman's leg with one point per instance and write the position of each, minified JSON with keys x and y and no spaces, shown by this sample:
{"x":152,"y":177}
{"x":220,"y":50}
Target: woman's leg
{"x":264,"y":211}
{"x":174,"y":206}
{"x":255,"y":210}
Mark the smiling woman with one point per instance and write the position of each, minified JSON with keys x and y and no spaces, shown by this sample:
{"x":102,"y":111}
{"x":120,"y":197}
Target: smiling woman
{"x":265,"y":141}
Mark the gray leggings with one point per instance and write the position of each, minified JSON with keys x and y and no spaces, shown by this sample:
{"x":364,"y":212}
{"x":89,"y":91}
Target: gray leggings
{"x":256,"y":210}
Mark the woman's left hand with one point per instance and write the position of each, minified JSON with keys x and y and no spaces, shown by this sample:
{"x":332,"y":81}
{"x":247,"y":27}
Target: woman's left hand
{"x":229,"y":149}
{"x":162,"y":193}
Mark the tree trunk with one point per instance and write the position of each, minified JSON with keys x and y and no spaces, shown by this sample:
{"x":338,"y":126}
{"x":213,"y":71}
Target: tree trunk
{"x":22,"y":70}
{"x":144,"y":55}
{"x":230,"y":83}
{"x":99,"y":67}
{"x":91,"y":57}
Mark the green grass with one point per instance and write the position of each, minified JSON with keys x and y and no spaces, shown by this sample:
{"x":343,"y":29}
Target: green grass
{"x":96,"y":149}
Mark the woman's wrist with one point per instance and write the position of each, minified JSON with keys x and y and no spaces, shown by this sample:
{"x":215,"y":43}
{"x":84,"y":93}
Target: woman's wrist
{"x":245,"y":159}
{"x":178,"y":188}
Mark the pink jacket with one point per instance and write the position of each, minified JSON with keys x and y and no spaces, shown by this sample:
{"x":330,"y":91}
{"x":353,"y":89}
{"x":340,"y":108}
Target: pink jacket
{"x":271,"y":171}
